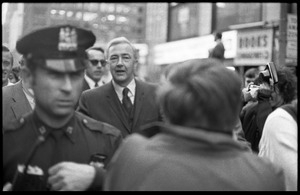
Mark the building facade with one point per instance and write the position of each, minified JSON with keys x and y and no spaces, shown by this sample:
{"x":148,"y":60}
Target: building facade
{"x":106,"y":20}
{"x":253,"y":33}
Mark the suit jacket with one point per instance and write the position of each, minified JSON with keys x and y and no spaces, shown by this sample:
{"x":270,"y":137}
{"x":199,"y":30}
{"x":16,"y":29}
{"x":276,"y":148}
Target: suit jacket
{"x":85,"y":85}
{"x":102,"y":104}
{"x":218,"y":51}
{"x":14,"y":103}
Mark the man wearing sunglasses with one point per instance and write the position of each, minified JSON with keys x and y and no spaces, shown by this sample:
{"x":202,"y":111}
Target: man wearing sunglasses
{"x":97,"y":72}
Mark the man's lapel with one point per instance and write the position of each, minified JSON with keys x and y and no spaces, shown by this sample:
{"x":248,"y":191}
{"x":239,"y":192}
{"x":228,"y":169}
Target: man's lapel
{"x":117,"y":107}
{"x":21,"y":104}
{"x":138,"y":102}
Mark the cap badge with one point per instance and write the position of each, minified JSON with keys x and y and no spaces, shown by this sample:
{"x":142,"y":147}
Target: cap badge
{"x":67,"y":39}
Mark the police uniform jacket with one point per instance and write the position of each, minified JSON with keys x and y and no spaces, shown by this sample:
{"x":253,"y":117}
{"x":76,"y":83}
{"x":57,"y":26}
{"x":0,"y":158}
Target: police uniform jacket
{"x":77,"y":142}
{"x":102,"y":104}
{"x":188,"y":159}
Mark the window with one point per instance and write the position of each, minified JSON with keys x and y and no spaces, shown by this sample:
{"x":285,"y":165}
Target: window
{"x":236,"y":13}
{"x":183,"y":21}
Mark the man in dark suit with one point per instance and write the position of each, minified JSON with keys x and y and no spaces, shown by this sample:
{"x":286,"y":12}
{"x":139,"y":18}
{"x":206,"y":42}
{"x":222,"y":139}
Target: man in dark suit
{"x":218,"y":51}
{"x":126,"y":102}
{"x":17,"y":100}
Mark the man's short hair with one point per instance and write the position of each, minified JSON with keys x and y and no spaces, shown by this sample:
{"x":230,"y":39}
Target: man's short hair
{"x":202,"y":92}
{"x":219,"y":35}
{"x":252,"y":73}
{"x":287,"y":84}
{"x":120,"y":40}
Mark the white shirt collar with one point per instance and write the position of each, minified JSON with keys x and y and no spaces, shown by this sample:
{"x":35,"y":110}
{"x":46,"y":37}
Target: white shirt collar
{"x":9,"y":83}
{"x":29,"y":95}
{"x":119,"y":89}
{"x":91,"y":82}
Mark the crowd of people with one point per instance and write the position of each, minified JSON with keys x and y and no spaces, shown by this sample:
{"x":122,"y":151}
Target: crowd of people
{"x":79,"y":119}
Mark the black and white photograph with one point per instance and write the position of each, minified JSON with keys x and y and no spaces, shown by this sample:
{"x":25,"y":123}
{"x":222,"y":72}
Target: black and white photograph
{"x":149,"y":96}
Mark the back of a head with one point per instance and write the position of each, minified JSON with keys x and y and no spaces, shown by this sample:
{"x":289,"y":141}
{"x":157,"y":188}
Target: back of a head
{"x":287,"y":84}
{"x":201,"y":93}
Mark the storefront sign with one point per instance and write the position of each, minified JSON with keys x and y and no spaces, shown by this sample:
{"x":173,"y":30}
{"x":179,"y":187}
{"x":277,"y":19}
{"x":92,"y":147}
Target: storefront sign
{"x":254,"y":47}
{"x":292,"y":33}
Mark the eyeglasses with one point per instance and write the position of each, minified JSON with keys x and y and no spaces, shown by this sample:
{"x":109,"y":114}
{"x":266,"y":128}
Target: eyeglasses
{"x":115,"y":59}
{"x":95,"y":62}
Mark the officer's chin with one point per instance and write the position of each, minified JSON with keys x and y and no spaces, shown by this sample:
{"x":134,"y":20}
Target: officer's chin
{"x":64,"y":111}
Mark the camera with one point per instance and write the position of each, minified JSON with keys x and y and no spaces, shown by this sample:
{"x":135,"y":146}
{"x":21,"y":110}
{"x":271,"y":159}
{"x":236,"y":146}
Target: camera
{"x":270,"y":72}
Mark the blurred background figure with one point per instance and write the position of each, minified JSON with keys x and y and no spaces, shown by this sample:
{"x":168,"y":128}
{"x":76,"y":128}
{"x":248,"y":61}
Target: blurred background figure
{"x":269,"y":97}
{"x":14,"y":76}
{"x":279,"y":142}
{"x":18,"y":99}
{"x":195,"y":149}
{"x":250,"y":75}
{"x":218,"y":51}
{"x":7,"y":64}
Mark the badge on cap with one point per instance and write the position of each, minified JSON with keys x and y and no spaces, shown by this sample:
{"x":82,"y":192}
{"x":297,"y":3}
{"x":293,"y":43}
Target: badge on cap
{"x":67,"y":39}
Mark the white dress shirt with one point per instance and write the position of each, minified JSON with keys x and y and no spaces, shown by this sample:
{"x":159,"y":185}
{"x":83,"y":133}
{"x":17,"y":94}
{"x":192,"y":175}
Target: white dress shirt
{"x":91,"y":82}
{"x":119,"y":90}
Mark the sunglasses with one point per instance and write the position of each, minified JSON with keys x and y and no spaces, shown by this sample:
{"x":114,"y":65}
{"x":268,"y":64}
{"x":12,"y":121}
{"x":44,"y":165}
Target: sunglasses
{"x":95,"y":62}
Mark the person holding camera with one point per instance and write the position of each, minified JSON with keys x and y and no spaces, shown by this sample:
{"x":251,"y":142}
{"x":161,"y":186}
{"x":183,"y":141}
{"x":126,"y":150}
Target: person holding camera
{"x":269,"y":96}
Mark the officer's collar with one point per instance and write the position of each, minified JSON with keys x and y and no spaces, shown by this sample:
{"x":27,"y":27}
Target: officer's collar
{"x":44,"y":129}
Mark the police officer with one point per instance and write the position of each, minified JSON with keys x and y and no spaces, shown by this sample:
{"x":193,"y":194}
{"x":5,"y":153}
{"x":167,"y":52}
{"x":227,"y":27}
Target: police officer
{"x":62,"y":148}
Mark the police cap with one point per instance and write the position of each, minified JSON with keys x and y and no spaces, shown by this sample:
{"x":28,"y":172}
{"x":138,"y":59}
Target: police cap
{"x":61,"y":48}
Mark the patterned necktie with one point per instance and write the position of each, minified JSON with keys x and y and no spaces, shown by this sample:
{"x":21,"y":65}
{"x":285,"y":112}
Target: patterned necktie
{"x":126,"y":101}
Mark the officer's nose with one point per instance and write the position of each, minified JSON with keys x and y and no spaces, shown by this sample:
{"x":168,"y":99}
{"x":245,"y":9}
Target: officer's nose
{"x":67,"y":85}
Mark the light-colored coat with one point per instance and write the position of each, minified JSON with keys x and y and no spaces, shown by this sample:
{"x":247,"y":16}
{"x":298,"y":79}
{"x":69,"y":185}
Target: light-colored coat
{"x":14,"y":103}
{"x":187,"y":159}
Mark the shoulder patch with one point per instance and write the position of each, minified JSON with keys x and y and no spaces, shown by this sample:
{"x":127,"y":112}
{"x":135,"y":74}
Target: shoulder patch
{"x":99,"y":126}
